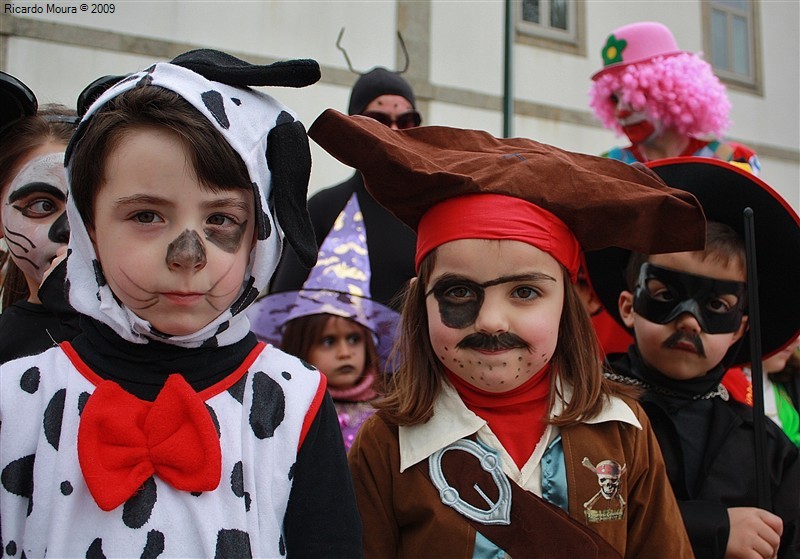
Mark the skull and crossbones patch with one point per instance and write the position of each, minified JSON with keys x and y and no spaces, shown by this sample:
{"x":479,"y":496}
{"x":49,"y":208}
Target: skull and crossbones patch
{"x":607,"y":504}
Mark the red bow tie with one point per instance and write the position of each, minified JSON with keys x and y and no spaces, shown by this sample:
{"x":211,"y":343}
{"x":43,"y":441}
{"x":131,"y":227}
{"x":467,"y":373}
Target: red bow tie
{"x":122,"y":441}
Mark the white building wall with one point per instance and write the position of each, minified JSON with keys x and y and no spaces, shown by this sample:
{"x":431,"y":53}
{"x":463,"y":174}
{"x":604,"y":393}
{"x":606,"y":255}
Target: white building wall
{"x":456,"y":62}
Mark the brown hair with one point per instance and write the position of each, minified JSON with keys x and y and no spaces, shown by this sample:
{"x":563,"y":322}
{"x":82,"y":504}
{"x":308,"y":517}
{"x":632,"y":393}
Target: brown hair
{"x":723,"y":245}
{"x":216,"y":163}
{"x":16,"y":142}
{"x":412,"y":390}
{"x":300,"y":334}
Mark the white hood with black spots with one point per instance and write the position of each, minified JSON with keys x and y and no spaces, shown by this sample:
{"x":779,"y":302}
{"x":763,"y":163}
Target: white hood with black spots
{"x":248,"y":120}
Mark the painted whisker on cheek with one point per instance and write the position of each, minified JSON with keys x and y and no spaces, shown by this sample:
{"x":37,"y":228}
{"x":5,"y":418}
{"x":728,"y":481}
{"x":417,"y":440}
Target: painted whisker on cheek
{"x":149,"y":298}
{"x":20,"y":257}
{"x":145,"y":305}
{"x":212,"y":294}
{"x":229,"y":241}
{"x":14,"y":238}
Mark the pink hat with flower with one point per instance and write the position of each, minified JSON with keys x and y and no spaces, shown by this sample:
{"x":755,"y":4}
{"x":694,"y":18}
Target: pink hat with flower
{"x":637,"y":42}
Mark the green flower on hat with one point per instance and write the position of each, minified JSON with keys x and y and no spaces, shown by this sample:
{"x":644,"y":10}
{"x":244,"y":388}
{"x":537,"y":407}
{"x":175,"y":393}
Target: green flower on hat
{"x":612,"y":52}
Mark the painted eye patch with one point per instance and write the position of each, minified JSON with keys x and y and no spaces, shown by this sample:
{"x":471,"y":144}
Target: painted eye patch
{"x":460,"y":299}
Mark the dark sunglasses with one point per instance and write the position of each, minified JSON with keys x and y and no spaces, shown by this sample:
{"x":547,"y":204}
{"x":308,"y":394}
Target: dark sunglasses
{"x":411,"y":119}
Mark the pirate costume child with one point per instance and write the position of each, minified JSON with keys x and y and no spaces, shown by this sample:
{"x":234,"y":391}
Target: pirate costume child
{"x":707,"y":437}
{"x":135,"y":441}
{"x":485,"y":445}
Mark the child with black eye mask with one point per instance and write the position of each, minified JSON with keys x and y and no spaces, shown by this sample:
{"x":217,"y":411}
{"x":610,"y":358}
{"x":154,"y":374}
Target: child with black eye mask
{"x":498,"y":433}
{"x":689,"y":315}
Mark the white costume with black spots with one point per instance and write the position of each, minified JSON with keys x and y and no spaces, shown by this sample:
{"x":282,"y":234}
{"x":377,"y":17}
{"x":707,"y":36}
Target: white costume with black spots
{"x":46,"y":506}
{"x":284,"y":487}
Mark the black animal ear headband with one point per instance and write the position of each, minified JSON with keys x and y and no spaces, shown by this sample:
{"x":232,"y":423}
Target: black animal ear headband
{"x":94,"y":90}
{"x":224,"y":68}
{"x":220,"y":67}
{"x":16,"y":100}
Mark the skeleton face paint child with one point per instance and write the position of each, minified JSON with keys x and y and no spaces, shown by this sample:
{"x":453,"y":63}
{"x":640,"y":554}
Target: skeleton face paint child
{"x":34,"y":214}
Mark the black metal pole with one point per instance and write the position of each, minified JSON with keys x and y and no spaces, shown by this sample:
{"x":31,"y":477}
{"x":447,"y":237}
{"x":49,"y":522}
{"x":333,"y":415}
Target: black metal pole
{"x":759,"y":419}
{"x":508,"y":94}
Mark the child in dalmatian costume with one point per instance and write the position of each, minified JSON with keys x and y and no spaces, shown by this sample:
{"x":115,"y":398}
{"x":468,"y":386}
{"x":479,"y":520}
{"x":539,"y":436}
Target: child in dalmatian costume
{"x":165,"y":429}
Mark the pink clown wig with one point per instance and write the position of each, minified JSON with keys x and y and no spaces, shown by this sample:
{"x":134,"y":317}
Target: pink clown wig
{"x":681,"y":91}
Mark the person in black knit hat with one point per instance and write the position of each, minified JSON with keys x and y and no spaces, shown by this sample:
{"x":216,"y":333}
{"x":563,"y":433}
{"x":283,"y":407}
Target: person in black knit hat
{"x":387,"y":97}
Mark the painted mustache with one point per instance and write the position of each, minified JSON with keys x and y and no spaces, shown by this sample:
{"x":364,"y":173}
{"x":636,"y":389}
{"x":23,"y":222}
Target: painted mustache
{"x":682,"y":337}
{"x":506,"y":340}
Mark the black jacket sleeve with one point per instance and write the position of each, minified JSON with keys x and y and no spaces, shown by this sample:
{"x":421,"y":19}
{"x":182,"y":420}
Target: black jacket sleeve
{"x":322,"y":517}
{"x":708,"y":527}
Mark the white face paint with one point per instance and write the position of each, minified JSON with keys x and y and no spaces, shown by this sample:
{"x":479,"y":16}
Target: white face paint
{"x":34,"y":216}
{"x":639,"y":126}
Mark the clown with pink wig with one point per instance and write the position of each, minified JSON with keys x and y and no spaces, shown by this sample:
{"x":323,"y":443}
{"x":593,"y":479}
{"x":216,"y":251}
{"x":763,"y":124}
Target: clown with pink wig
{"x":667,"y":101}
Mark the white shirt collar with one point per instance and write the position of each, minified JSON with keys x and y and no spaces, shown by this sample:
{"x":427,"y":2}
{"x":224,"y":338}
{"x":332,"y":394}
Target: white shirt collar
{"x":452,"y":421}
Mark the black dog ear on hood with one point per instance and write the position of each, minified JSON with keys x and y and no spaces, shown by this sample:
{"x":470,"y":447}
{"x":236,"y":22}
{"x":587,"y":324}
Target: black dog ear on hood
{"x":224,"y":68}
{"x":16,"y":100}
{"x":289,"y":160}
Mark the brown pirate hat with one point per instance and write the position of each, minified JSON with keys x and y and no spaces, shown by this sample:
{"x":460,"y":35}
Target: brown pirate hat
{"x":604,"y":202}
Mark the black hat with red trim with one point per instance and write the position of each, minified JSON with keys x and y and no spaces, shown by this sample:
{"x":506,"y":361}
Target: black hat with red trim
{"x":724,"y":191}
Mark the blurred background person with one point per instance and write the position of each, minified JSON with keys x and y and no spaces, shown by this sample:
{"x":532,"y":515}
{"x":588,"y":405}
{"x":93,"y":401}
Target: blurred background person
{"x":332,"y":322}
{"x":668,"y":102}
{"x":387,"y":97}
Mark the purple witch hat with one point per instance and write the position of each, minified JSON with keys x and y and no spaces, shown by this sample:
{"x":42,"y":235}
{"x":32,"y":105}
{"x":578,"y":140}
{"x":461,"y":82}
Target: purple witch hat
{"x":338,"y":285}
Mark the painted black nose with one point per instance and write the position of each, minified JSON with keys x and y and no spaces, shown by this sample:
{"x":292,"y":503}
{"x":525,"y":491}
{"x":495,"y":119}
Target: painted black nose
{"x":59,"y":231}
{"x":187,"y":251}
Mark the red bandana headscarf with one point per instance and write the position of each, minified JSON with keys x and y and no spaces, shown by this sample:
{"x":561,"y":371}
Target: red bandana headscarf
{"x":497,"y":217}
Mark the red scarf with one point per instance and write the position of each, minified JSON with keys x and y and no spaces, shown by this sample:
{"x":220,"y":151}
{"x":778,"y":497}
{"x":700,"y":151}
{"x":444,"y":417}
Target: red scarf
{"x":516,"y":417}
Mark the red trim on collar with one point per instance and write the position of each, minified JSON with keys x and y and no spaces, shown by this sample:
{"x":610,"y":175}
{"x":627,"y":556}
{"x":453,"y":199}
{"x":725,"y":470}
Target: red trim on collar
{"x":311,"y":414}
{"x":205,"y":395}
